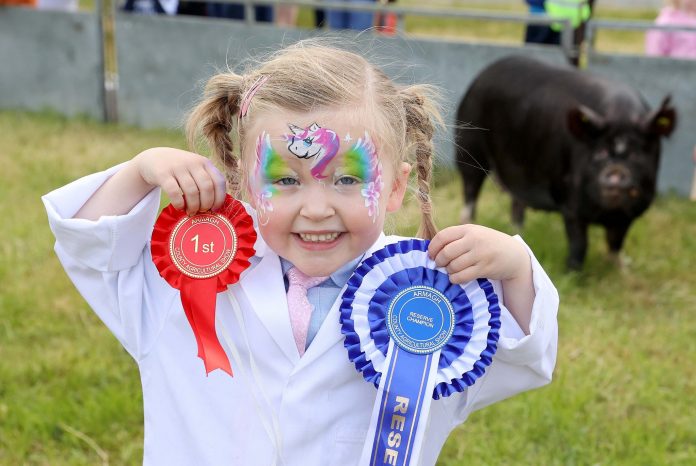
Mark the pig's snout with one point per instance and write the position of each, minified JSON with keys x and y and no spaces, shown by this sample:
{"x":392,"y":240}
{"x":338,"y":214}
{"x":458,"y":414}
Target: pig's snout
{"x":615,"y":177}
{"x":616,"y":182}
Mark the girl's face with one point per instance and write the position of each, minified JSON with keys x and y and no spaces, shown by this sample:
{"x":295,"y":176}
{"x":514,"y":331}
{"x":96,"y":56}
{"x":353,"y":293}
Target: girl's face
{"x":320,"y":186}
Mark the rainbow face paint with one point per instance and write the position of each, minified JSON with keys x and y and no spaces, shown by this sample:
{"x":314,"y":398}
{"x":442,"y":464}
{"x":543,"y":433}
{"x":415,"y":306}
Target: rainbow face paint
{"x":361,"y":161}
{"x":269,"y":167}
{"x":313,"y":142}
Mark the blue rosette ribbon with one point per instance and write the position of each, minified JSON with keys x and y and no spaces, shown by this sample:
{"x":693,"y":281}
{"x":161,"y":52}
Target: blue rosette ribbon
{"x":416,"y":336}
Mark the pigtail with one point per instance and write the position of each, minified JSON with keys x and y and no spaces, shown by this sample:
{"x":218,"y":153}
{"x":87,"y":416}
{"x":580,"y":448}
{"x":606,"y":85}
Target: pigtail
{"x":422,"y":116}
{"x":214,"y":118}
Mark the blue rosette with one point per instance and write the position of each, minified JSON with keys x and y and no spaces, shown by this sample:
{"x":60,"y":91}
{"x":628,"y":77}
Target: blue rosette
{"x":469,"y":324}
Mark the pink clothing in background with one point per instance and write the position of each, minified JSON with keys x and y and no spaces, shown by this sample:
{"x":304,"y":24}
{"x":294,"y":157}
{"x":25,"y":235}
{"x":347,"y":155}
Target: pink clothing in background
{"x":675,"y":44}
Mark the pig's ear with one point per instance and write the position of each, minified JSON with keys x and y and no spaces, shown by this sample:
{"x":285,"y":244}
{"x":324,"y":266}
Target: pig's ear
{"x":663,"y":120}
{"x":584,"y":123}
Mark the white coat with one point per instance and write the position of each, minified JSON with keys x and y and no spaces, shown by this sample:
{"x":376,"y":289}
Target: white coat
{"x":312,"y":410}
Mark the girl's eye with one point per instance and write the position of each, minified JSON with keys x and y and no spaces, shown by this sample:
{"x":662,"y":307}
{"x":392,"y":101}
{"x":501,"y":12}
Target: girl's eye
{"x":347,"y":180}
{"x":287,"y":181}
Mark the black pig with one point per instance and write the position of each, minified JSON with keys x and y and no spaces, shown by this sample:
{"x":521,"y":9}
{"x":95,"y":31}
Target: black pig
{"x":562,"y":140}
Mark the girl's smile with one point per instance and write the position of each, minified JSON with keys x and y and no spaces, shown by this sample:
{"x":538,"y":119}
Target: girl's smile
{"x":317,"y":241}
{"x":319,"y":237}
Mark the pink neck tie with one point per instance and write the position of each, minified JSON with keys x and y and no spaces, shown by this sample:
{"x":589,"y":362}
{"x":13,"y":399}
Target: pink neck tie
{"x":299,"y":307}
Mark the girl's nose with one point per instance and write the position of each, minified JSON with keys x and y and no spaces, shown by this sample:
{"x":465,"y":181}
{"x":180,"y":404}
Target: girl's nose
{"x":316,"y":202}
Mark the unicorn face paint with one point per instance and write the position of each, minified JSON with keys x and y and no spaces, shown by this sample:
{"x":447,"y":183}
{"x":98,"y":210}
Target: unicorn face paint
{"x":362,"y":162}
{"x":319,"y":224}
{"x":313,"y":142}
{"x":269,"y":167}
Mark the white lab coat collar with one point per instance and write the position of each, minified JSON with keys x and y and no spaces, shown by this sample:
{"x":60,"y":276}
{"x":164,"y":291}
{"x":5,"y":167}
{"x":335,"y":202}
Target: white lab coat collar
{"x":264,"y":286}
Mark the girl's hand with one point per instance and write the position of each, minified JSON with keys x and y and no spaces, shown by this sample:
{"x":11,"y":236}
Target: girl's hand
{"x":473,"y":251}
{"x":190,"y":180}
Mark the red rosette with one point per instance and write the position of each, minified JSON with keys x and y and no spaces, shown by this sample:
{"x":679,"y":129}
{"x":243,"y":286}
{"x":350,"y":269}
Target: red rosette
{"x":201,"y":256}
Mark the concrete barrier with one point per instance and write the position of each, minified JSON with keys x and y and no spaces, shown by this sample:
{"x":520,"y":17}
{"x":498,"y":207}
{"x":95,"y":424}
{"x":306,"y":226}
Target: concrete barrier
{"x":50,"y":60}
{"x":163,"y":62}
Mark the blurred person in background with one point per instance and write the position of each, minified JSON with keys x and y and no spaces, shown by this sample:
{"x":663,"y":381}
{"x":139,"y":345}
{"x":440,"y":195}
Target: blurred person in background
{"x":262,"y":14}
{"x":57,"y":5}
{"x":286,"y":15}
{"x":319,"y":17}
{"x":577,"y":12}
{"x":539,"y":33}
{"x":152,"y":7}
{"x":675,"y":44}
{"x":224,"y":10}
{"x":24,"y":3}
{"x":386,"y":22}
{"x":358,"y":20}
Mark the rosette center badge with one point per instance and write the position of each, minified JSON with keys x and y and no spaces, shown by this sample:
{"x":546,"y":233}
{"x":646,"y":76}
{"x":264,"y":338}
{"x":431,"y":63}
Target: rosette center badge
{"x":203,"y":246}
{"x":420,"y":319}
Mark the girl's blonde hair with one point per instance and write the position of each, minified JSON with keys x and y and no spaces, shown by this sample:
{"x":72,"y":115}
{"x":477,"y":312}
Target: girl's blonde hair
{"x":310,"y":76}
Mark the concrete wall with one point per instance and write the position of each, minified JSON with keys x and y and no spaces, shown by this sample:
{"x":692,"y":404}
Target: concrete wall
{"x":163,"y":63}
{"x":51,"y":60}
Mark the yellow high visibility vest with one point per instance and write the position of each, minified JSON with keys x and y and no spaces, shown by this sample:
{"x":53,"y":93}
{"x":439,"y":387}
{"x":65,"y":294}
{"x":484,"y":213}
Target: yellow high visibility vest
{"x":577,"y":11}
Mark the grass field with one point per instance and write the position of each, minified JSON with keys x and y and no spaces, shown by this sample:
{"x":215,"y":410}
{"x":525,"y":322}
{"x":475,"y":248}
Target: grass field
{"x":624,"y":384}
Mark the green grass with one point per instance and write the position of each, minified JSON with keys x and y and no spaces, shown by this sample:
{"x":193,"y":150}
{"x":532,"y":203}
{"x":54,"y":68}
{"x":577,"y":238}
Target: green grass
{"x":624,"y":382}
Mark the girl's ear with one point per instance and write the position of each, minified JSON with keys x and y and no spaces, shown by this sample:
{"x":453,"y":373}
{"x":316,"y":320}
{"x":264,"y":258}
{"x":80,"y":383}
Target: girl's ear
{"x":398,"y":188}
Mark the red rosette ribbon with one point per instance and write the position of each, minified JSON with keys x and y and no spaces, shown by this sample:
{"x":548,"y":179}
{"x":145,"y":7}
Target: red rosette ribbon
{"x":201,"y":256}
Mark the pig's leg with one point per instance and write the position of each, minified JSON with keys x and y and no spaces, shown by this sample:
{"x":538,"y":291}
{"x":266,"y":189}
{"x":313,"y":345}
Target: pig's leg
{"x":472,"y":187}
{"x":474,"y":172}
{"x":473,"y":166}
{"x":576,"y":230}
{"x":518,"y":213}
{"x":615,"y":235}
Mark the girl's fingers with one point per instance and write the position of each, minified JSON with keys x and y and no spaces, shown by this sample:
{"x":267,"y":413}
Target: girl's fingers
{"x":448,"y":244}
{"x":190,"y":180}
{"x":461,"y":263}
{"x":191,"y":195}
{"x":439,"y":241}
{"x":171,"y":187}
{"x":450,"y":252}
{"x":219,"y":185}
{"x":206,"y":188}
{"x":466,"y":275}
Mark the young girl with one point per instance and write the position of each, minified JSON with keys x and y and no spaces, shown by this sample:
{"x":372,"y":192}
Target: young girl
{"x":302,"y":122}
{"x":675,"y":44}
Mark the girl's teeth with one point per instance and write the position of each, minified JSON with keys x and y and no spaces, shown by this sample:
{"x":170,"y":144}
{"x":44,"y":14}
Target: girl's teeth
{"x":319,"y":238}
